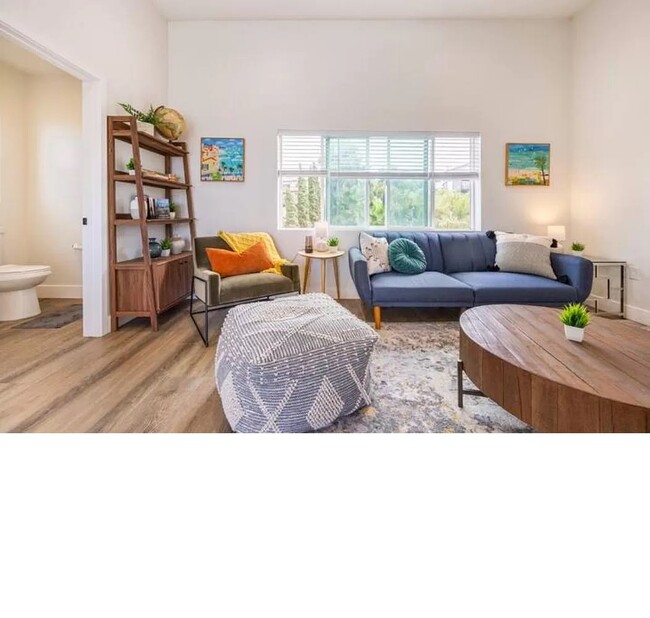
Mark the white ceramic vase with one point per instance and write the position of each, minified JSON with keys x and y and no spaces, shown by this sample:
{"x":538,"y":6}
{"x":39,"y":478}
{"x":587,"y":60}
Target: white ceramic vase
{"x":573,"y":333}
{"x":135,"y":212}
{"x":178,"y":245}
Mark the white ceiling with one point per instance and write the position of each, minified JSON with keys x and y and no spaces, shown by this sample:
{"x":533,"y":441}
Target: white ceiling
{"x":23,"y":60}
{"x":366,"y":9}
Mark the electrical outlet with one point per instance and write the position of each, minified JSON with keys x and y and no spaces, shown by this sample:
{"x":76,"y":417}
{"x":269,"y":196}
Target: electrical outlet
{"x":633,"y":273}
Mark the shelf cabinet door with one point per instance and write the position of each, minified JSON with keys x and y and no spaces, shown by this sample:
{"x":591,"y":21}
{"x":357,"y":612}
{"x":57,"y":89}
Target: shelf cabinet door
{"x":172,"y":282}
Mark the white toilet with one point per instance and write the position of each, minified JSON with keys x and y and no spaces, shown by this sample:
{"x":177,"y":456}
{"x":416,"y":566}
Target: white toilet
{"x":18,"y":298}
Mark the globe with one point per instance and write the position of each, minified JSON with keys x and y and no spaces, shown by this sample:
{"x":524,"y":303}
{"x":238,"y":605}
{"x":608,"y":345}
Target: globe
{"x":171,"y":123}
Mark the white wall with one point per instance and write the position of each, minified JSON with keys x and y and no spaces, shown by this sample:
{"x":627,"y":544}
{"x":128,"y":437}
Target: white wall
{"x":54,"y":187}
{"x":13,"y":153}
{"x":611,"y":132}
{"x":121,"y":41}
{"x":507,"y":79}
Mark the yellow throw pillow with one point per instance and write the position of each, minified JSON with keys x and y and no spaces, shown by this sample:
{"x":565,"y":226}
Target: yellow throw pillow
{"x":245,"y":240}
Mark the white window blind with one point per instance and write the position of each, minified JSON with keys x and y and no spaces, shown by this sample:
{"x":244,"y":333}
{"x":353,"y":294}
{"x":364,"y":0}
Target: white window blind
{"x":458,"y":155}
{"x":360,"y":179}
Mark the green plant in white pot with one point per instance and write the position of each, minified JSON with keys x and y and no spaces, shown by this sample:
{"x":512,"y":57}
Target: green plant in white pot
{"x":147,"y":121}
{"x":575,"y":318}
{"x":130,"y":166}
{"x":577,"y":248}
{"x":173,"y":209}
{"x":166,"y":245}
{"x":333,"y":244}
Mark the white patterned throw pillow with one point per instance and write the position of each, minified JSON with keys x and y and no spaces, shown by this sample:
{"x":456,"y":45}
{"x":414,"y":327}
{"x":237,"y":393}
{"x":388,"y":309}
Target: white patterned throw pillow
{"x":375,"y":250}
{"x":524,"y":253}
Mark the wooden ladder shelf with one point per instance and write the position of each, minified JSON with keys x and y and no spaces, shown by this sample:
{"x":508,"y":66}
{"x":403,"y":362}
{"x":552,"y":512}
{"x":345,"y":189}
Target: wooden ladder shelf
{"x":144,"y":286}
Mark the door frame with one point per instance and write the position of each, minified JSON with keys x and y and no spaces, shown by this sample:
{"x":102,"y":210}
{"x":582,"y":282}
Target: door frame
{"x":96,"y":322}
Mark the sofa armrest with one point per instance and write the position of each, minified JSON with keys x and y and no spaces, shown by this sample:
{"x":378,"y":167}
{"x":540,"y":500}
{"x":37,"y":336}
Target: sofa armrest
{"x":359,"y":272}
{"x":292,"y":271}
{"x":212,"y":285}
{"x":576,"y":271}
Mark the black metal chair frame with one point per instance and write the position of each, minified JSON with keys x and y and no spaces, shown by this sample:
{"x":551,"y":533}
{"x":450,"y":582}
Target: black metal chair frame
{"x":204,"y":334}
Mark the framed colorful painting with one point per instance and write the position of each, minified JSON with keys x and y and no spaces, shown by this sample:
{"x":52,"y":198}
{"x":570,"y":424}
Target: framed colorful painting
{"x":222,"y":159}
{"x":528,"y":165}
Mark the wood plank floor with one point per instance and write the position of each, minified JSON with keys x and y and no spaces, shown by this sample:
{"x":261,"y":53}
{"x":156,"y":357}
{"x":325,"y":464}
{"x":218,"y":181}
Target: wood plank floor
{"x":134,"y":380}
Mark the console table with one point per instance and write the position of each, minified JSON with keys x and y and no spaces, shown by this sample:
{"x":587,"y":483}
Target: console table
{"x":621,"y":266}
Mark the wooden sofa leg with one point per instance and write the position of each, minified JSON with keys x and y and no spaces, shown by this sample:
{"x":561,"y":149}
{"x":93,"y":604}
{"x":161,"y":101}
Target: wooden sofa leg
{"x":376,"y":313}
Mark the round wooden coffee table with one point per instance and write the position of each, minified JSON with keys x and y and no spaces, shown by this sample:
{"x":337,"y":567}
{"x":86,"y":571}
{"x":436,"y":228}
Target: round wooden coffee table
{"x":518,"y":357}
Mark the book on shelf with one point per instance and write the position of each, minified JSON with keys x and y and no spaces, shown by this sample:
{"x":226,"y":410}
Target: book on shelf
{"x":162,"y":208}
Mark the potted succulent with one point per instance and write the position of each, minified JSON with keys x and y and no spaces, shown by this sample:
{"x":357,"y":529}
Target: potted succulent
{"x":577,"y":248}
{"x":575,"y":318}
{"x":333,"y":244}
{"x":166,"y":245}
{"x":147,"y":121}
{"x":130,"y":166}
{"x":173,"y":209}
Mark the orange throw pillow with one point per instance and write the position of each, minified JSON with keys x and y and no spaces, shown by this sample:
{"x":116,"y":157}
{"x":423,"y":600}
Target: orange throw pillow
{"x":229,"y":263}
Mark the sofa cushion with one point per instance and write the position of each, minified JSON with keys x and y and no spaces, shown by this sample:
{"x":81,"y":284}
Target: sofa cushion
{"x":406,"y":257}
{"x":427,"y":288}
{"x":427,"y":241}
{"x":375,"y":250}
{"x":522,"y":253}
{"x":467,"y":251}
{"x":498,"y":287}
{"x":258,"y":285}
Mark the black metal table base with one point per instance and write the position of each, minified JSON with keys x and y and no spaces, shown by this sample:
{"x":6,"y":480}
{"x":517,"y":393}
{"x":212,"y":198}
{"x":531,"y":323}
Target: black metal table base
{"x":465,"y":391}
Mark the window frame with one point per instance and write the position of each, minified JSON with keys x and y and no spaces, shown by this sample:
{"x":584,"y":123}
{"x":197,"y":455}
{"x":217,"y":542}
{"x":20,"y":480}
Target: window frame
{"x":474,"y":179}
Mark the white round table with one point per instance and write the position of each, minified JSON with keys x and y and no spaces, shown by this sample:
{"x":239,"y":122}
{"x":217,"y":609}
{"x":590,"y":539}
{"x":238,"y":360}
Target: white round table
{"x":323,"y":257}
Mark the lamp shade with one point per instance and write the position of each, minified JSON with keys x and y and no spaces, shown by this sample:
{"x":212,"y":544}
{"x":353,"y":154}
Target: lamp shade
{"x":321,"y":229}
{"x":556,"y":231}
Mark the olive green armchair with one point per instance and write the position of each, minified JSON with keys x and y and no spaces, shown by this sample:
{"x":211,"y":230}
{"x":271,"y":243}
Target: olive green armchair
{"x":215,"y":292}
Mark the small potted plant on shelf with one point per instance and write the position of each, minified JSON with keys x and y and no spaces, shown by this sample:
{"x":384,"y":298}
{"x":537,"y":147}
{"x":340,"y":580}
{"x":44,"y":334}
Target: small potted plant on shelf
{"x":333,"y":244}
{"x":130,"y":166}
{"x":166,"y":245}
{"x":575,"y":318}
{"x":173,"y":209}
{"x":577,"y":248}
{"x":147,"y":121}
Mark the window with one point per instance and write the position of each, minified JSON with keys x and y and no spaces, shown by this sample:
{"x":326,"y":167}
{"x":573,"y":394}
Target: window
{"x":383,"y":181}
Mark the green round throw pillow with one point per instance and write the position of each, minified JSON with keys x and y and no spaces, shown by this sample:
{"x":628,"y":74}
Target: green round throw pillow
{"x":406,"y":257}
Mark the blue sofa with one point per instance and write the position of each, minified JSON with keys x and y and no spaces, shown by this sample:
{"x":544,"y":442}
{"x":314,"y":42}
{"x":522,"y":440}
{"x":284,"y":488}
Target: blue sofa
{"x":458,"y":275}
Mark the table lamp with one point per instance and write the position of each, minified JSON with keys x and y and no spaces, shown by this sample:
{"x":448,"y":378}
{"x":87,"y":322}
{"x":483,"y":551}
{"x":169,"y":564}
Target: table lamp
{"x":557,"y":232}
{"x":321,"y":231}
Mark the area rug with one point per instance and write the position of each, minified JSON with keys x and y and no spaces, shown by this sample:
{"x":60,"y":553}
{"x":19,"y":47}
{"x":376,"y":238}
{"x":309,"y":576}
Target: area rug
{"x":414,"y":387}
{"x":55,"y":319}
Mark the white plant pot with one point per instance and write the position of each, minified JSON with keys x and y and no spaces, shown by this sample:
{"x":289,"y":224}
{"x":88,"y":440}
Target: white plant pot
{"x":166,"y":253}
{"x":334,"y":249}
{"x":146,"y":127}
{"x":131,"y":172}
{"x":573,"y":333}
{"x":577,"y":252}
{"x":172,"y":215}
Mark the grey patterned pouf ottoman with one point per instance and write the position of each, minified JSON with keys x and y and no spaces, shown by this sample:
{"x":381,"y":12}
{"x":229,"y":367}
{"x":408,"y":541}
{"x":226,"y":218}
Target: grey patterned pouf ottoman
{"x":292,"y":364}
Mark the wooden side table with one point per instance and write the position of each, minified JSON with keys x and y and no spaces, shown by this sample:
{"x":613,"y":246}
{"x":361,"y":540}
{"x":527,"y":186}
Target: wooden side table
{"x":323,"y":257}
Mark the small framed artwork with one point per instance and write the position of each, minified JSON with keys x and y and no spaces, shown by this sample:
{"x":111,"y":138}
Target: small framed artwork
{"x":222,"y":159}
{"x":528,"y":165}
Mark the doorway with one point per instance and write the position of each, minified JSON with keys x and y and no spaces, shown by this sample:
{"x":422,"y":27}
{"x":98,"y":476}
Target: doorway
{"x":87,"y":158}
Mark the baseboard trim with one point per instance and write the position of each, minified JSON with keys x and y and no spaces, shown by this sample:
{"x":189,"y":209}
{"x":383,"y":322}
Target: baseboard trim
{"x":638,"y":315}
{"x":59,"y":291}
